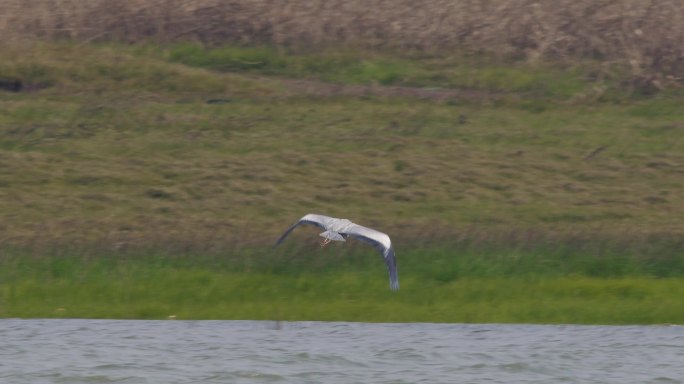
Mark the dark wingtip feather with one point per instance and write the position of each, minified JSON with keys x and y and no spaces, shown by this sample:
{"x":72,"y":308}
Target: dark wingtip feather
{"x":392,"y":269}
{"x":286,"y":233}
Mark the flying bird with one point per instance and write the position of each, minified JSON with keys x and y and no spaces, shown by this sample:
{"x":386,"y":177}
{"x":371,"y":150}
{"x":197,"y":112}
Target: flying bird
{"x":340,"y":229}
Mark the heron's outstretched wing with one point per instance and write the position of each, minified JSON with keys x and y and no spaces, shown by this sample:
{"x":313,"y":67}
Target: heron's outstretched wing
{"x":382,"y":243}
{"x":319,"y":221}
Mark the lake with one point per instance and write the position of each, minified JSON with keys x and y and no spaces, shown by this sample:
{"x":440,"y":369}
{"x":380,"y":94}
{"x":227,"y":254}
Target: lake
{"x":174,"y":351}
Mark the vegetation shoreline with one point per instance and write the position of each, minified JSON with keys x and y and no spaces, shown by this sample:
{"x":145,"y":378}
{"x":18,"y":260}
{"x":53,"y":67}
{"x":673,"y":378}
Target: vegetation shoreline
{"x":348,"y":283}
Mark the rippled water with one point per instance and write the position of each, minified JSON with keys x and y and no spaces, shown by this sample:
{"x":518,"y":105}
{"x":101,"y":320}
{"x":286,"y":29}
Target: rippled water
{"x":104,"y":351}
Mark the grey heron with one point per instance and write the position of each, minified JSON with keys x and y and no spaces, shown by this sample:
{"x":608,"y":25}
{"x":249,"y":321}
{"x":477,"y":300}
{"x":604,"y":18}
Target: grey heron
{"x":340,"y":229}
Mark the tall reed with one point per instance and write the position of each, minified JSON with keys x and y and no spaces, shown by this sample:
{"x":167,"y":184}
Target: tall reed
{"x":645,"y":37}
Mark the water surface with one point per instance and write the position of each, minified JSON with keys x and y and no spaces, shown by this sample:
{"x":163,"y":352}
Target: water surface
{"x":136,"y":351}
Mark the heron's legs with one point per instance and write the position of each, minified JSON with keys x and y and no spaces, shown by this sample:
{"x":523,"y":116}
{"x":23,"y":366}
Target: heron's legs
{"x":324,"y":242}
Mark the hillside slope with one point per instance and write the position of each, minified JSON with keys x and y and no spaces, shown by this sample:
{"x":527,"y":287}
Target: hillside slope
{"x":132,"y":144}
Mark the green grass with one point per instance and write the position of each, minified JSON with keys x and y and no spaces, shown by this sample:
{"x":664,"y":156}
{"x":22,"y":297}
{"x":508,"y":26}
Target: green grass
{"x":502,"y":300}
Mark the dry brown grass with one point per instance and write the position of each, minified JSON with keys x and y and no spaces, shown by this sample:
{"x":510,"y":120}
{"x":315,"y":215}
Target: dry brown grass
{"x":647,"y":37}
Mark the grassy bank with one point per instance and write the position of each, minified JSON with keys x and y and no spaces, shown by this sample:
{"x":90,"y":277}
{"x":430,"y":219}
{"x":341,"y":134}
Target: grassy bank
{"x":145,"y":182}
